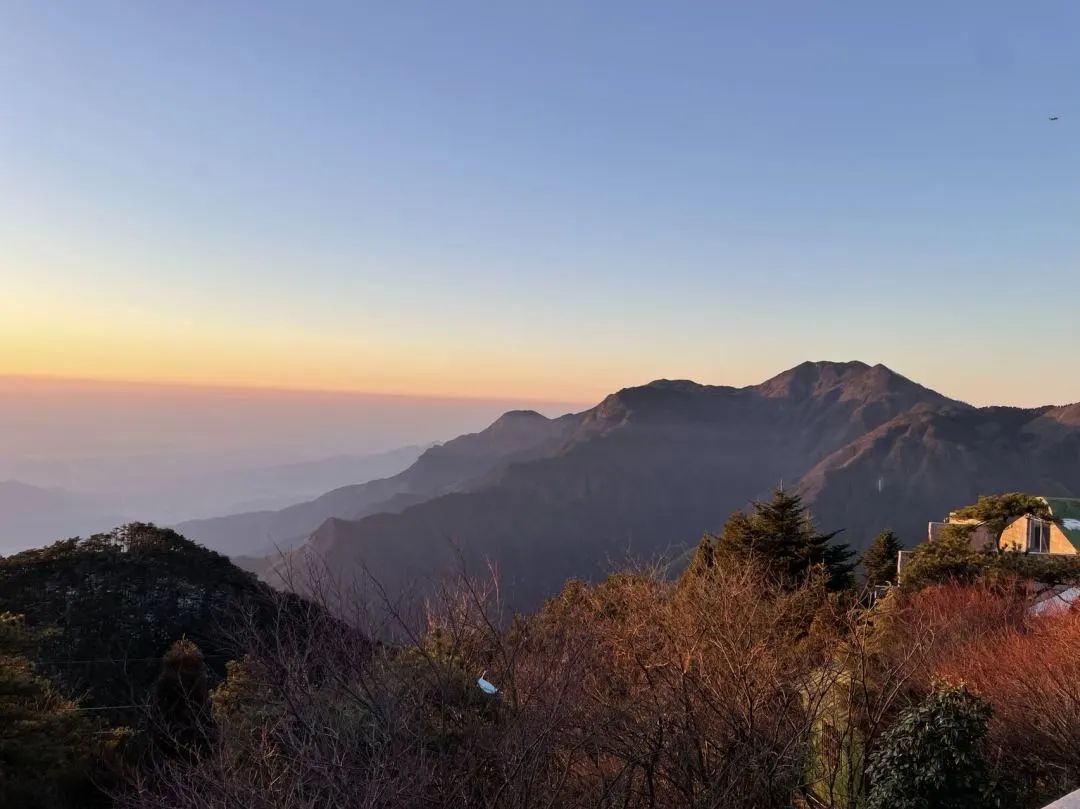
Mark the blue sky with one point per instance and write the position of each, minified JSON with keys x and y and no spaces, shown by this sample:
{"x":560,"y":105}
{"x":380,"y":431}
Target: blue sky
{"x":513,"y":200}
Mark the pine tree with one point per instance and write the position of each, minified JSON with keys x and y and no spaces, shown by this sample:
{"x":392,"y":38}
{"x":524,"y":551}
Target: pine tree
{"x":781,"y":534}
{"x":703,"y":559}
{"x":879,"y":561}
{"x":949,"y":558}
{"x":182,"y":700}
{"x":45,"y":742}
{"x":996,"y":511}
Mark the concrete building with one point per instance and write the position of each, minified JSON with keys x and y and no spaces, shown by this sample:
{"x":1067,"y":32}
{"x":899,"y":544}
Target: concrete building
{"x":1057,"y":535}
{"x":1060,"y":534}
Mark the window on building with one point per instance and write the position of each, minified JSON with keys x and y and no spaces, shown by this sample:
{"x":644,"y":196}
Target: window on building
{"x":1038,"y":536}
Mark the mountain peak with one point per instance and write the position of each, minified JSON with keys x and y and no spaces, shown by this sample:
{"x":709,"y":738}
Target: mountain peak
{"x":844,"y":380}
{"x":673,"y":384}
{"x":518,"y":421}
{"x":806,"y":376}
{"x":513,"y":416}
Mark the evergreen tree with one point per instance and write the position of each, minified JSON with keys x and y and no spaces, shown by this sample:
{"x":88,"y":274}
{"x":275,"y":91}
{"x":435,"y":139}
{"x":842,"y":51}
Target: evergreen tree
{"x":996,"y":511}
{"x":931,"y":756}
{"x":703,"y":559}
{"x":948,"y":558}
{"x":182,"y":700}
{"x":879,"y":561}
{"x":122,"y":598}
{"x":781,"y":534}
{"x":45,"y":742}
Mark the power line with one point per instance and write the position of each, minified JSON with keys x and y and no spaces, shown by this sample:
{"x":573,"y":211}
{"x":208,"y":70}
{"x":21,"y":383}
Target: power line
{"x":74,"y":661}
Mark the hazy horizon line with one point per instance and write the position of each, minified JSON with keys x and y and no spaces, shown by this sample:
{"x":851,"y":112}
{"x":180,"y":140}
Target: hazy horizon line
{"x":46,"y":378}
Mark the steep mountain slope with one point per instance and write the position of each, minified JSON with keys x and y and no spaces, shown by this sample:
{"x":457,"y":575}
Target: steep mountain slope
{"x":453,"y":466}
{"x":919,"y":466}
{"x":645,"y":472}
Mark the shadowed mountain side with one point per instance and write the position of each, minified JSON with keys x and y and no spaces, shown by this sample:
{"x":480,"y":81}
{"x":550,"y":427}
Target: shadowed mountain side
{"x":921,"y":465}
{"x":644,"y":473}
{"x":558,"y":517}
{"x":448,"y":467}
{"x":813,"y":395}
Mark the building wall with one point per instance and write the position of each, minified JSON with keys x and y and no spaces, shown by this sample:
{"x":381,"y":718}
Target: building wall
{"x":980,"y":537}
{"x":1015,"y":537}
{"x":902,"y":560}
{"x":1059,"y":543}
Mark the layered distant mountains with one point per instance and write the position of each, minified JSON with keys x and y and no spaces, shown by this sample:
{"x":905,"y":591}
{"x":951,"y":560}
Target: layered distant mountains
{"x":649,"y":469}
{"x":516,"y":436}
{"x":32,"y":514}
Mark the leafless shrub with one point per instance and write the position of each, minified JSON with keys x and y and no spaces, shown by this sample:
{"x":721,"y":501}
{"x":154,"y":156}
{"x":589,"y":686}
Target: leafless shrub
{"x":636,"y":692}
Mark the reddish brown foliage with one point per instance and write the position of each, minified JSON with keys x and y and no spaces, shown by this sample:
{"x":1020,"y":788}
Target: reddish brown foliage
{"x":949,"y":618}
{"x":718,"y":691}
{"x":1031,"y":675}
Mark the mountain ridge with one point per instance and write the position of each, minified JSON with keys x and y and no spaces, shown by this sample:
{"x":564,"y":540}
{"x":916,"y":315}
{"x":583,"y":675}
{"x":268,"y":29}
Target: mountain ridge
{"x":651,"y":467}
{"x":646,"y":470}
{"x":439,"y":469}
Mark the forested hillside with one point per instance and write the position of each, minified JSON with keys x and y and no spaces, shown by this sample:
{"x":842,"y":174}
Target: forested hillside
{"x":118,"y":600}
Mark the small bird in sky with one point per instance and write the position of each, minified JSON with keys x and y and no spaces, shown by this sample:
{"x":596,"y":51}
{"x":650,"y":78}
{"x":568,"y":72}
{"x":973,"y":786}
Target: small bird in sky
{"x":1053,"y":117}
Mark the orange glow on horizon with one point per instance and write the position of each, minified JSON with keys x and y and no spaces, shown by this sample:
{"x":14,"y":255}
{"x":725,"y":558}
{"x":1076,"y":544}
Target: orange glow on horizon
{"x":50,"y":332}
{"x":140,"y":346}
{"x":14,"y":380}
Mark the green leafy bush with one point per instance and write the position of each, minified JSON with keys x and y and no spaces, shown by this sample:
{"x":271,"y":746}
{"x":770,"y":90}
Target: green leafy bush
{"x":931,"y":758}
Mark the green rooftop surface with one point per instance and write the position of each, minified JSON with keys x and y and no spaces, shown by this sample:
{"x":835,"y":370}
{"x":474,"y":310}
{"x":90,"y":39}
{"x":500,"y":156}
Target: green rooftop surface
{"x":1066,"y":513}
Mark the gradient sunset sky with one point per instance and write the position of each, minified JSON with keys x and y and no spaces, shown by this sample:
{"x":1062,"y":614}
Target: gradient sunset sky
{"x":540,"y":200}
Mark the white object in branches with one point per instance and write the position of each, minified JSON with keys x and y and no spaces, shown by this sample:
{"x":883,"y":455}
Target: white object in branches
{"x":485,"y":686}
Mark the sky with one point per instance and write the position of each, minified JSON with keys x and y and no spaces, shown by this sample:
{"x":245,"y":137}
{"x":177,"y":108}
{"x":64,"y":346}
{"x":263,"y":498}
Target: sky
{"x":43,"y":419}
{"x":540,"y":201}
{"x":174,"y":451}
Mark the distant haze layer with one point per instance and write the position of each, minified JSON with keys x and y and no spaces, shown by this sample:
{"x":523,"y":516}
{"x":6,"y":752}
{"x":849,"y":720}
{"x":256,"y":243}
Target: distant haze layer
{"x":93,"y":435}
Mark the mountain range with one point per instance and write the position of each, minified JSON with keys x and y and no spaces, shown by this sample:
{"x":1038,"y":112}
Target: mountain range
{"x":32,"y":513}
{"x":649,"y":469}
{"x":515,"y":436}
